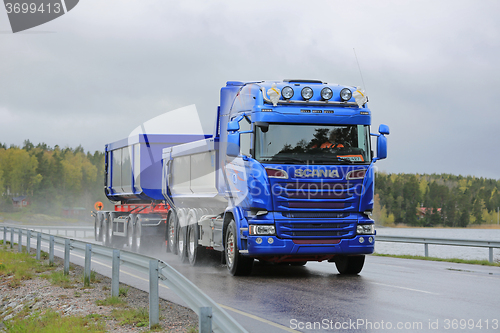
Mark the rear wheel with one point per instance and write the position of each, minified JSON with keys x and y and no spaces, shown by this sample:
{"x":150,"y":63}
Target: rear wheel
{"x":195,"y":252}
{"x":350,"y":265}
{"x":181,"y":243}
{"x":180,"y":235}
{"x":237,"y":264}
{"x":170,"y":236}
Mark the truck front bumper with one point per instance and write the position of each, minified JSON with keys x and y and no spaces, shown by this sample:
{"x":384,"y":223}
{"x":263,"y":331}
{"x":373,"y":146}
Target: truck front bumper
{"x":272,"y":245}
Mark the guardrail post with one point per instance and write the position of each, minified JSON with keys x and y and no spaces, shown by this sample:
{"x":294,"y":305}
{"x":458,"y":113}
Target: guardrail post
{"x":154,"y":302}
{"x":11,"y":237}
{"x":66,"y":256}
{"x":51,"y":250}
{"x":115,"y":276}
{"x":20,"y":241}
{"x":86,"y":272}
{"x":491,"y":254}
{"x":205,"y":320}
{"x":4,"y":235}
{"x":38,"y":245}
{"x":426,"y":249}
{"x":28,"y":241}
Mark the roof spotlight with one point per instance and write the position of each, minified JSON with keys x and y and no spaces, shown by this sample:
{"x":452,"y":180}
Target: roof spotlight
{"x":326,"y":93}
{"x":287,"y":92}
{"x":307,"y":93}
{"x":345,"y":94}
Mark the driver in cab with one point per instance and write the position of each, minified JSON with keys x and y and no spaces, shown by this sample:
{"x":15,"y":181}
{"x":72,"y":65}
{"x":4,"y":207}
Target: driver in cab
{"x":332,"y":142}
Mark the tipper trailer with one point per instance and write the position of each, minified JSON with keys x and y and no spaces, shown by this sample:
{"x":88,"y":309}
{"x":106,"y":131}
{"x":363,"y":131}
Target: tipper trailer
{"x":286,"y":177}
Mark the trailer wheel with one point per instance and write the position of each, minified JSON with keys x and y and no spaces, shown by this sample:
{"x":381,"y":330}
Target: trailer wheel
{"x":111,"y":241}
{"x":350,"y":265}
{"x":98,"y":227}
{"x":130,"y":232}
{"x":137,"y":235}
{"x":104,"y":229}
{"x":237,"y":264}
{"x":170,"y":233}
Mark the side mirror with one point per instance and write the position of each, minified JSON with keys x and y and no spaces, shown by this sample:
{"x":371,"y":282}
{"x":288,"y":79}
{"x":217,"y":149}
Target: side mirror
{"x":381,"y":147}
{"x":264,"y":127}
{"x":233,"y":126}
{"x":233,"y":144}
{"x":383,"y":129}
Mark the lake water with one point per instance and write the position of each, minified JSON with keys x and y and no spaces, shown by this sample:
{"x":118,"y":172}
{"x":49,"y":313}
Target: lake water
{"x":441,"y":251}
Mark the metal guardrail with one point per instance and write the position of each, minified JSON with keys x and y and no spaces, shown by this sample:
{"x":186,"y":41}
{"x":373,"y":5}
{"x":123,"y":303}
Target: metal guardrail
{"x":67,"y":231}
{"x":211,"y":316}
{"x":442,"y":241}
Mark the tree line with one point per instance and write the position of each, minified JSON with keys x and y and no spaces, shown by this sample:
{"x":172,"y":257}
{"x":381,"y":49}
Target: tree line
{"x":52,"y":177}
{"x":435,"y":200}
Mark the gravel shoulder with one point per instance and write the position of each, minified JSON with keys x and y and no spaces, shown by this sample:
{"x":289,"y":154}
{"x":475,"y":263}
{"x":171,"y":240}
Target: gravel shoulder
{"x":38,"y":294}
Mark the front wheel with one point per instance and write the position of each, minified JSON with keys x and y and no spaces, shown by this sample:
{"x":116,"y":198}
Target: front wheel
{"x":237,"y":264}
{"x":350,"y":265}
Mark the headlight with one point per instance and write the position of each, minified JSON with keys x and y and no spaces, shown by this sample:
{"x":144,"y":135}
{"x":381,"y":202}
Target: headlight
{"x":307,"y":93}
{"x":287,"y":92}
{"x":345,"y":94}
{"x":365,"y":229}
{"x":326,"y":93}
{"x":262,"y":229}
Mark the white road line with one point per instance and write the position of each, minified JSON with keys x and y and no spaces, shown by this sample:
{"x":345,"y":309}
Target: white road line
{"x":288,"y":329}
{"x":405,"y":288}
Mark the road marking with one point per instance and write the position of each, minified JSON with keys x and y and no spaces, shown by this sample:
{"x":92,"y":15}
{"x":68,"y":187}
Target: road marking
{"x":288,"y":329}
{"x":405,"y":288}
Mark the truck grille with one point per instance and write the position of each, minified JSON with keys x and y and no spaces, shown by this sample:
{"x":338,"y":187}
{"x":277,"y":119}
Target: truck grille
{"x":322,"y":195}
{"x":316,"y":209}
{"x":304,"y":230}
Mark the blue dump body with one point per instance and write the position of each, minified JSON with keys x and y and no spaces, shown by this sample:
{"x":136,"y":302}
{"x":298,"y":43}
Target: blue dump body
{"x":134,"y":166}
{"x":287,"y":180}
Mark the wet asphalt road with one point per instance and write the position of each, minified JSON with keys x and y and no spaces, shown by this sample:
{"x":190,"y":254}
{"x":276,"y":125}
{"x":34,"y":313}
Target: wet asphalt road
{"x":389,"y":295}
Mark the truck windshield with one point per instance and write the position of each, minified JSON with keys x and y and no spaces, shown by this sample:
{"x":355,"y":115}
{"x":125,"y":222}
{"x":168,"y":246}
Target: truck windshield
{"x":313,"y":144}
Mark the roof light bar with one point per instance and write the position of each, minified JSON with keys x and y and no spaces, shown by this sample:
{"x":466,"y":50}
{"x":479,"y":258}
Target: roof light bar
{"x":307,"y":93}
{"x":287,"y":92}
{"x":326,"y":93}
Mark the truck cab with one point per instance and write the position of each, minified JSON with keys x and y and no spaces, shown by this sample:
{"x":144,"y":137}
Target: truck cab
{"x":291,"y":178}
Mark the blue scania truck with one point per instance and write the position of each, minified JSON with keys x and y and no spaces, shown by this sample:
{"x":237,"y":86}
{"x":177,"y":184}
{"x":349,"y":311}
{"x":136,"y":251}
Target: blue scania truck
{"x":287,"y":177}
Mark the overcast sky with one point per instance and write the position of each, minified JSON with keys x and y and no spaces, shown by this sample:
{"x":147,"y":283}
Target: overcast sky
{"x":430,"y":68}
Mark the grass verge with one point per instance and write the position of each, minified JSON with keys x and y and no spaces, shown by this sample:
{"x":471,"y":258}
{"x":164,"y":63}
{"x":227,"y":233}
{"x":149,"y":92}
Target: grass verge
{"x":19,"y":266}
{"x":454,"y":260}
{"x":51,"y":321}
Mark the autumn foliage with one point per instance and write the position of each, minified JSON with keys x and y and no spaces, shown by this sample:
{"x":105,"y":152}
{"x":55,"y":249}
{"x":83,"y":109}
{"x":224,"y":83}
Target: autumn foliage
{"x":52,"y":178}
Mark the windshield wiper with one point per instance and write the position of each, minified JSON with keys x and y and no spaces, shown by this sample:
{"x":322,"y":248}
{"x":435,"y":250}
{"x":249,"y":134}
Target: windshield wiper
{"x":338,"y":159}
{"x":288,"y":159}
